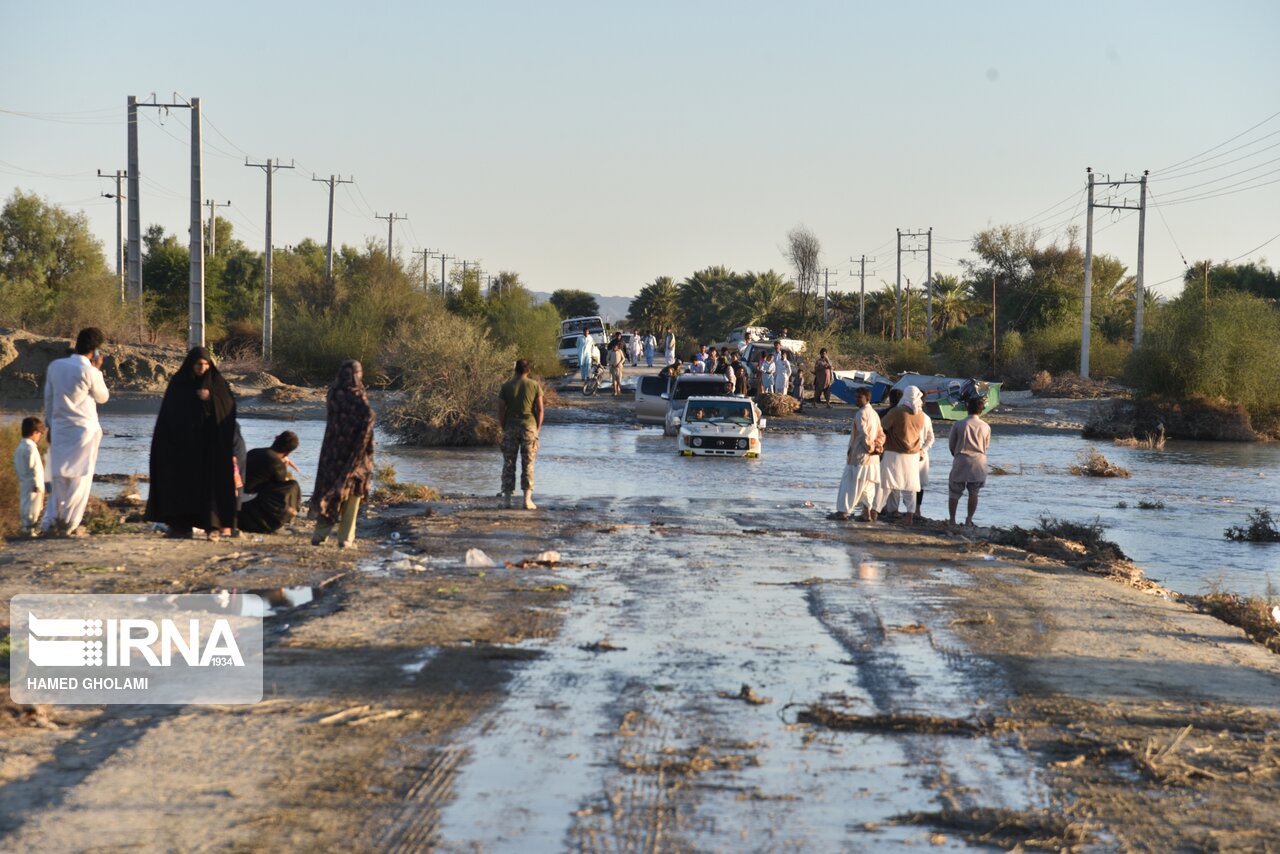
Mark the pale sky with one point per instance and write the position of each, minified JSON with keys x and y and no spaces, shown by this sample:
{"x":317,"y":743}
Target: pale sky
{"x":599,"y":145}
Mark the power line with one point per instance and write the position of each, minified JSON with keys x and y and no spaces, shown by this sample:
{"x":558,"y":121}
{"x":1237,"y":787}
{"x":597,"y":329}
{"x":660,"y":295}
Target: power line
{"x":1219,"y":145}
{"x":1229,"y":192}
{"x":1185,"y":174}
{"x":1225,"y":177}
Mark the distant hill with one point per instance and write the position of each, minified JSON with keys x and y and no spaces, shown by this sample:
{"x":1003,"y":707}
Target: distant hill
{"x":613,"y":309}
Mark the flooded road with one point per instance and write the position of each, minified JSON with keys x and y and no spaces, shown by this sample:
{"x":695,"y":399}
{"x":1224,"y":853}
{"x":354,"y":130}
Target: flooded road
{"x":629,"y":734}
{"x":1204,"y":486}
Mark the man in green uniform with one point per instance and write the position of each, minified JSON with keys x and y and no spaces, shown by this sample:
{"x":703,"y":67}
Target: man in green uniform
{"x":520,"y":413}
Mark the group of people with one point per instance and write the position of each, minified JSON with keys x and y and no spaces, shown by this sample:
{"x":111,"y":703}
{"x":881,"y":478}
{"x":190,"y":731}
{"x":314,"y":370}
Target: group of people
{"x":887,"y":461}
{"x":201,"y":475}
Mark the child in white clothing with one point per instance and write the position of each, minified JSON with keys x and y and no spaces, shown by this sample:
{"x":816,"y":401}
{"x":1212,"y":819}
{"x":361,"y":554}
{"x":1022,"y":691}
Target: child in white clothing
{"x":30,"y":469}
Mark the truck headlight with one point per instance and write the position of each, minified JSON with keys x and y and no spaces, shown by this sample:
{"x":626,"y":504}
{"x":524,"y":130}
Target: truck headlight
{"x":742,"y":444}
{"x":697,"y":441}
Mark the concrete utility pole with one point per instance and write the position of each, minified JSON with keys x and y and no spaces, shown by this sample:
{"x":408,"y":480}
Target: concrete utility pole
{"x":826,"y":286}
{"x":391,"y":221}
{"x":1087,"y":319}
{"x":444,"y":283}
{"x":928,"y":283}
{"x":426,"y":253}
{"x":119,"y":197}
{"x":270,"y":168}
{"x":195,"y":300}
{"x":1139,"y":291}
{"x":332,"y":181}
{"x":212,"y":248}
{"x":897,"y":325}
{"x":862,"y":292}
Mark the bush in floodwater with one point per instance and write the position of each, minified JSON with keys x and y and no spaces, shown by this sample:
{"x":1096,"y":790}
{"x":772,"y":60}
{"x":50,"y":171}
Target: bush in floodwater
{"x":1261,"y":528}
{"x":450,"y":373}
{"x":1093,"y":464}
{"x":1158,"y":504}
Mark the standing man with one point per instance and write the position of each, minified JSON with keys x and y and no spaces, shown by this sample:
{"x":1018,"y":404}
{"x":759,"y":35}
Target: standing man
{"x":669,"y":346}
{"x":900,"y":465}
{"x":73,"y":388}
{"x":968,"y":440}
{"x":822,"y":378}
{"x":616,"y":361}
{"x":586,"y":353}
{"x":650,"y":344}
{"x":862,"y":461}
{"x":781,"y":373}
{"x":520,"y":413}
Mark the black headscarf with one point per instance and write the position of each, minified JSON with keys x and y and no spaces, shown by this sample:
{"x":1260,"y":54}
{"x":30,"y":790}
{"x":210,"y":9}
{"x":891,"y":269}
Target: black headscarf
{"x":192,"y":449}
{"x":346,"y":455}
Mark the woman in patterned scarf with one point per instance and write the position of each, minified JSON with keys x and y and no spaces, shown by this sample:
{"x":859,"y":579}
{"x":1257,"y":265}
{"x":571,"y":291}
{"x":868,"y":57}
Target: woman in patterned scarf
{"x":346,"y":457}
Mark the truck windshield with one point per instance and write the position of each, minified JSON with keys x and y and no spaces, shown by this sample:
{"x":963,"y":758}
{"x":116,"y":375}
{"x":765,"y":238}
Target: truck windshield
{"x":719,"y":411}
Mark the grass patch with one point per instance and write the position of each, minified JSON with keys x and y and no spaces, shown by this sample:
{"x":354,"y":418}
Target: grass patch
{"x":389,"y":490}
{"x":1260,"y":528}
{"x":1090,"y":463}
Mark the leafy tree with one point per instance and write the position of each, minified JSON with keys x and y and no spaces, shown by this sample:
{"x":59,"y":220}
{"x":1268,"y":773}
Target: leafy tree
{"x":505,"y":283}
{"x":533,"y":331}
{"x":465,"y":297}
{"x":1257,"y":279}
{"x":952,"y":301}
{"x":45,"y":245}
{"x":575,"y":303}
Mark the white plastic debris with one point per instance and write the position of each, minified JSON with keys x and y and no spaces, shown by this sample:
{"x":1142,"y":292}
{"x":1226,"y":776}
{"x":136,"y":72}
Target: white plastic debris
{"x":1051,"y":412}
{"x":475,"y":557}
{"x":1275,"y":613}
{"x":549,"y":556}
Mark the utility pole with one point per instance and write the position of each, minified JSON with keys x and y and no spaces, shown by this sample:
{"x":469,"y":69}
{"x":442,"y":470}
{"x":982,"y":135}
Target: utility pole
{"x":993,"y":324}
{"x":1139,"y":291}
{"x":1087,"y":319}
{"x":195,"y":291}
{"x":444,"y":286}
{"x":928,"y":283}
{"x":826,"y":285}
{"x":391,"y":221}
{"x":270,"y":168}
{"x":906,"y":330}
{"x":897,"y":293}
{"x":119,"y":197}
{"x":332,"y":181}
{"x":212,"y":248}
{"x":1206,"y":288}
{"x":426,"y":253}
{"x":862,"y":292}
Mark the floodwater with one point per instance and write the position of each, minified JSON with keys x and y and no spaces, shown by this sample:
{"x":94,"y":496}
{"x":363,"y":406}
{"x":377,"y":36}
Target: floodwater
{"x":591,"y":749}
{"x":1204,"y":486}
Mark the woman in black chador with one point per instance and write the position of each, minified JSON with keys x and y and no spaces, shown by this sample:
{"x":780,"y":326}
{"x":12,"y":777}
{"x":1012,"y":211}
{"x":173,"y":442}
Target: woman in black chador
{"x":193,"y":467}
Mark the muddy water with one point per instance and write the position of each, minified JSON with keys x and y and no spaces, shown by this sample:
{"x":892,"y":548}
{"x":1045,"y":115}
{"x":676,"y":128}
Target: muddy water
{"x":1204,"y":486}
{"x":590,"y":749}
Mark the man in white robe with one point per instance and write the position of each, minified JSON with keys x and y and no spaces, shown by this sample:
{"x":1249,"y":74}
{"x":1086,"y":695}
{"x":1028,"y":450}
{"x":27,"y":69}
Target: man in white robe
{"x":73,"y":388}
{"x":781,"y":373}
{"x":586,"y":354}
{"x":900,"y":465}
{"x":927,"y":440}
{"x":861,"y":478}
{"x":669,"y":347}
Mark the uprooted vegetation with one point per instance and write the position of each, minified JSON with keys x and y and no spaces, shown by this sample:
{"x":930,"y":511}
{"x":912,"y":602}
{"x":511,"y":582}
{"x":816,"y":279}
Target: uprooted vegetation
{"x":1256,"y":615}
{"x":1259,"y":528}
{"x":1079,"y":544}
{"x":1019,"y":830}
{"x":1090,"y":463}
{"x":774,"y":405}
{"x":1072,"y":385}
{"x":390,"y":490}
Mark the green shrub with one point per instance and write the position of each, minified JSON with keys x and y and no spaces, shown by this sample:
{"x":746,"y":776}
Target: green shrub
{"x":533,"y":331}
{"x":1231,"y":350}
{"x":449,"y":373}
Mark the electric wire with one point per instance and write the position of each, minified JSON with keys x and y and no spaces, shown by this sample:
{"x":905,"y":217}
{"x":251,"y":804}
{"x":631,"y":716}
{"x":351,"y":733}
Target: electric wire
{"x":1197,"y":157}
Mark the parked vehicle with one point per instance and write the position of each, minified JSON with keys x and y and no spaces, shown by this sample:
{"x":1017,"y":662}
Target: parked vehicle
{"x":947,"y":398}
{"x":686,"y":386}
{"x":651,"y":399}
{"x":720,"y":426}
{"x":794,"y":348}
{"x":568,"y":349}
{"x":593,"y":324}
{"x":737,"y":339}
{"x":846,"y":384}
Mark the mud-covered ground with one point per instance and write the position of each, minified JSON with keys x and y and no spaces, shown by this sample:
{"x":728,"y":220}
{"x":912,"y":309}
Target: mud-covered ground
{"x":683,"y":681}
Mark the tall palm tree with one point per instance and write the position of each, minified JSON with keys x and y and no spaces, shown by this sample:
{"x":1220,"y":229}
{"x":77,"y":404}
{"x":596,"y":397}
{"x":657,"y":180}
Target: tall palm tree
{"x":765,"y":295}
{"x":951,"y":301}
{"x":882,"y":309}
{"x":704,"y":298}
{"x":656,"y":307}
